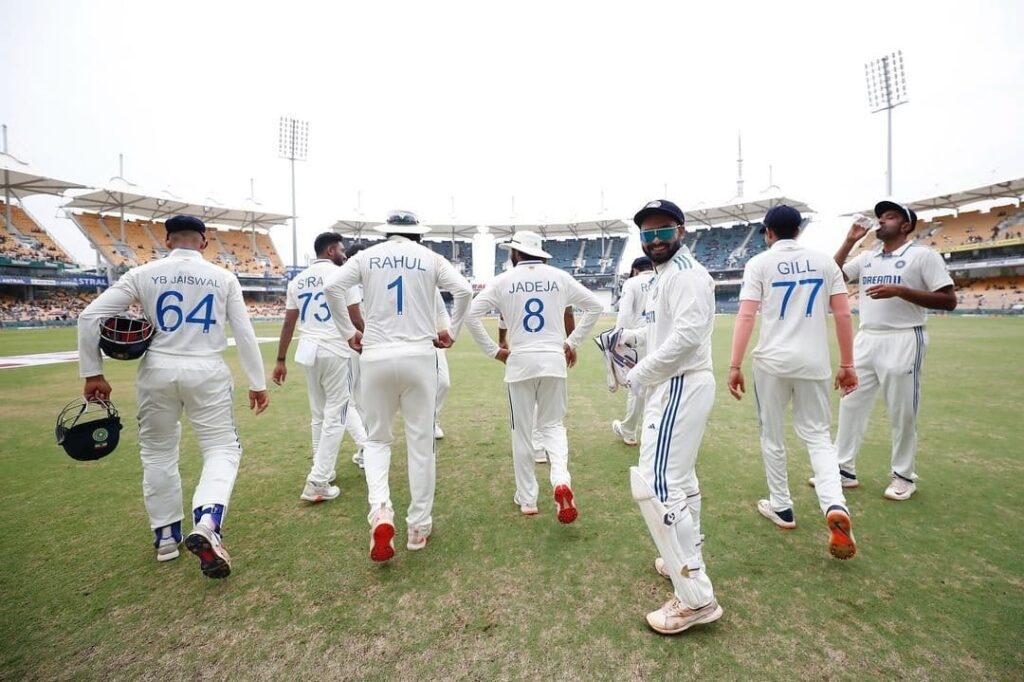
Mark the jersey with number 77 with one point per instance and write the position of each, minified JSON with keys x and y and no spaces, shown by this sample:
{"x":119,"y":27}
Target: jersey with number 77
{"x":793,"y":284}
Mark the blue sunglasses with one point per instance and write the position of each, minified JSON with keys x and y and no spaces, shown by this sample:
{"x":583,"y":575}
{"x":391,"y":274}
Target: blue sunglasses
{"x":665,"y":234}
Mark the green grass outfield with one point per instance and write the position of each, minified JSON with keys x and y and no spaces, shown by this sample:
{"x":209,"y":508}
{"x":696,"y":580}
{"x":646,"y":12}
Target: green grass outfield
{"x":935,"y":592}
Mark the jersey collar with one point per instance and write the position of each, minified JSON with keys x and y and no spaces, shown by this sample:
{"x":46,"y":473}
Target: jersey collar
{"x":188,"y":254}
{"x":882,"y":254}
{"x":785,"y":244}
{"x":683,"y":250}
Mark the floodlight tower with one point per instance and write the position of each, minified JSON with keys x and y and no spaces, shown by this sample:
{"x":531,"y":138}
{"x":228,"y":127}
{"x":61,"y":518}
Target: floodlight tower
{"x":887,"y":89}
{"x":293,"y":144}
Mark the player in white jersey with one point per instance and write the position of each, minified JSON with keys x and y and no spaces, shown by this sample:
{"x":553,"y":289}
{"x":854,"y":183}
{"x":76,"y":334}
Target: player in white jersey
{"x":398,"y":367}
{"x":676,"y":380}
{"x":532,"y":298}
{"x":632,"y":304}
{"x":326,"y":357}
{"x":899,"y":283}
{"x":189,"y":300}
{"x":795,"y":288}
{"x":540,"y":455}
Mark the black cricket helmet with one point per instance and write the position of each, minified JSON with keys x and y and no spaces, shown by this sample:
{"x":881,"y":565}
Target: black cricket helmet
{"x":88,"y":429}
{"x":125,"y":337}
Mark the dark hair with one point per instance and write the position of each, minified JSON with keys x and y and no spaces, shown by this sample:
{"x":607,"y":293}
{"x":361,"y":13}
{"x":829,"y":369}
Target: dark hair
{"x":324,"y":240}
{"x":786,"y":231}
{"x":353,"y":249}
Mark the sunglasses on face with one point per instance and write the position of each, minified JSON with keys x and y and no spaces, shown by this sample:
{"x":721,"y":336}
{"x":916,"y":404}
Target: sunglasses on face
{"x":664,"y":234}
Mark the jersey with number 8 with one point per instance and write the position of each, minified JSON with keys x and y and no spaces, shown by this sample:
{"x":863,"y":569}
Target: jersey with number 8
{"x":793,"y":284}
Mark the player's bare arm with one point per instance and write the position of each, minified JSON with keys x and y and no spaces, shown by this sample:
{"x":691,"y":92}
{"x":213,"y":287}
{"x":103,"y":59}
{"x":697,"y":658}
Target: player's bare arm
{"x":846,"y":378}
{"x":855,"y":234}
{"x":943,"y":299}
{"x":96,"y":388}
{"x":291,"y":316}
{"x":740,"y":338}
{"x":356,"y":313}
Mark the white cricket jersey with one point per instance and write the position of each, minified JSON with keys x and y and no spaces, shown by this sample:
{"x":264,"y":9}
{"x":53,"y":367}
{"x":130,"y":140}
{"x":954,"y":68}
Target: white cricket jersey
{"x":912,"y":265}
{"x":400,"y":280}
{"x":306,"y":294}
{"x":794,"y":286}
{"x":633,"y":302}
{"x":532,"y":298}
{"x":189,"y":301}
{"x":680,"y":317}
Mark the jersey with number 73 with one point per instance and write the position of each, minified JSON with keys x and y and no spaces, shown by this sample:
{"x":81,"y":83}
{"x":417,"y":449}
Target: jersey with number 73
{"x":793,"y":284}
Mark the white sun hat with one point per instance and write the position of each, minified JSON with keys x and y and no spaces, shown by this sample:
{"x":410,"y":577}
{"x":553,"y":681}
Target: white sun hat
{"x":526,"y":242}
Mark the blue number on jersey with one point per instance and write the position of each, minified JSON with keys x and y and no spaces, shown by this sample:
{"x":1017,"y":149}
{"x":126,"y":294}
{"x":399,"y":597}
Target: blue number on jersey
{"x":318,"y":316}
{"x":163,"y":308}
{"x":397,"y":284}
{"x":534,"y":313}
{"x":790,"y":286}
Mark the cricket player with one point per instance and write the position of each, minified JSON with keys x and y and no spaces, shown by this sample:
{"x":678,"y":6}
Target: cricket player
{"x":398,"y":367}
{"x":677,"y":383}
{"x":899,"y":282}
{"x":532,"y":297}
{"x":795,"y":288}
{"x":326,"y":357}
{"x":190,"y":301}
{"x":540,"y":455}
{"x":632,"y":304}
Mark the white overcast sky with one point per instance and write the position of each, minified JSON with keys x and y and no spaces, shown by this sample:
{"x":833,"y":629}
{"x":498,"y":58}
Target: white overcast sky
{"x":411,"y":103}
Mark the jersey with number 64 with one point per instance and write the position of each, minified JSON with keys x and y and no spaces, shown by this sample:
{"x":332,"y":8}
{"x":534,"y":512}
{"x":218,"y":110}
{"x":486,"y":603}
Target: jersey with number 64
{"x":532,"y":298}
{"x":190,"y":302}
{"x":306,"y":294}
{"x":793,"y":284}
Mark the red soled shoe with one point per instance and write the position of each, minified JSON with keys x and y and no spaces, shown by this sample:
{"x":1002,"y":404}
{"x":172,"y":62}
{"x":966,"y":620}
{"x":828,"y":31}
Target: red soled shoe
{"x":566,"y":509}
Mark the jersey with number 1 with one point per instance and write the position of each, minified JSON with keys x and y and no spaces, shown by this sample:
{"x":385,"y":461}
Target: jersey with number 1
{"x":306,"y":294}
{"x":400,"y":279}
{"x":793,"y":284}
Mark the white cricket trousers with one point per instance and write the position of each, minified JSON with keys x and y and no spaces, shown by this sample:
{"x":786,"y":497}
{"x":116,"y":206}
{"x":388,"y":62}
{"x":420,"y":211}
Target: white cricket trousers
{"x":204,"y":388}
{"x":890,"y":361}
{"x":812,"y":422}
{"x":328,"y":383}
{"x":393,"y":381}
{"x":444,"y":380}
{"x":675,"y":415}
{"x":354,"y":421}
{"x":634,"y":413}
{"x":537,"y":406}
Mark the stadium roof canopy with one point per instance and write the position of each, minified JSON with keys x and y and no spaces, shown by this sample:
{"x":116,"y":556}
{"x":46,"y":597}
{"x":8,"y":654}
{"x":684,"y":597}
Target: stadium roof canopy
{"x":1008,"y":189}
{"x":20,"y":182}
{"x":589,"y":228}
{"x":742,"y":210}
{"x":162,"y":206}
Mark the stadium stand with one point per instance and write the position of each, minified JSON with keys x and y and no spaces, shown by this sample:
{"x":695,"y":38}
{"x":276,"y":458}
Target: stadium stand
{"x":25,"y":239}
{"x":45,"y":307}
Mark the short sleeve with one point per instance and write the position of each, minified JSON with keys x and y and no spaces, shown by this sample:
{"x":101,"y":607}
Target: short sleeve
{"x":291,"y":302}
{"x":852,"y":268}
{"x":354,"y":296}
{"x":753,"y":287}
{"x":933,"y":271}
{"x":836,"y":281}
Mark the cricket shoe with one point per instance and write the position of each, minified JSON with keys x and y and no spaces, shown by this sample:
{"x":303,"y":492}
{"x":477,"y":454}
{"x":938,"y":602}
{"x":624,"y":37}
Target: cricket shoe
{"x":674,"y":617}
{"x":567,"y":512}
{"x":621,"y":433}
{"x":526,"y":509}
{"x":205,"y":543}
{"x":782,"y":519}
{"x":167,"y":540}
{"x":319,"y":492}
{"x":382,"y":534}
{"x":438,"y":432}
{"x":357,"y":458}
{"x":847,"y":480}
{"x":417,"y":539}
{"x":841,"y":544}
{"x":900,"y":489}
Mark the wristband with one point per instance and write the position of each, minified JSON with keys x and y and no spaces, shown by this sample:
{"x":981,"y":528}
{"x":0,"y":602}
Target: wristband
{"x":845,"y":366}
{"x":734,"y":366}
{"x":281,"y":359}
